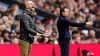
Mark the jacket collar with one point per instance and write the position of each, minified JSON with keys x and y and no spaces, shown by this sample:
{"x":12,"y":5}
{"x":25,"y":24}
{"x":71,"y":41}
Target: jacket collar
{"x":28,"y":12}
{"x":62,"y":16}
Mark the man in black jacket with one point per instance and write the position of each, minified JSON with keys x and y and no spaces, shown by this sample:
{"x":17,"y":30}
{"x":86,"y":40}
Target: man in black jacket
{"x":27,"y":29}
{"x":63,"y":24}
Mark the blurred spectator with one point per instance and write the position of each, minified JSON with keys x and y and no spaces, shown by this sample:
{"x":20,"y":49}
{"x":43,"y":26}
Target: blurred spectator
{"x":46,"y":7}
{"x":14,"y":40}
{"x":99,"y":40}
{"x":7,"y":41}
{"x":2,"y":8}
{"x":87,"y":53}
{"x":39,"y":22}
{"x":1,"y":40}
{"x":12,"y":11}
{"x":40,"y":5}
{"x":76,"y":38}
{"x":5,"y":35}
{"x":92,"y":37}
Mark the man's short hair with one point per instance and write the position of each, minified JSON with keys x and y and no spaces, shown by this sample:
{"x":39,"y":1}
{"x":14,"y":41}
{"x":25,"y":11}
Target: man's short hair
{"x":62,"y":10}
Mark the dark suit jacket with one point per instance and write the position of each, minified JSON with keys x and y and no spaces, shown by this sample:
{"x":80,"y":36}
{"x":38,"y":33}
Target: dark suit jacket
{"x":28,"y":27}
{"x":63,"y":27}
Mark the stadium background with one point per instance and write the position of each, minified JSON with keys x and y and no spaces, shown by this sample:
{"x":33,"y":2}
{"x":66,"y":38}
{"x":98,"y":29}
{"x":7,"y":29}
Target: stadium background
{"x":47,"y":14}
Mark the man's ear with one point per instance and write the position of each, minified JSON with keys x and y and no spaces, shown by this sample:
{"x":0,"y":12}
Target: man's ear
{"x":62,"y":13}
{"x":26,"y":6}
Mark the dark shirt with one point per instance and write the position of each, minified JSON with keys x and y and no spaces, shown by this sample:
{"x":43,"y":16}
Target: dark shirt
{"x":63,"y":27}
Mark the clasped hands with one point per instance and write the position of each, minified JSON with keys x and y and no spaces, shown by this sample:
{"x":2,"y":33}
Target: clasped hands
{"x":38,"y":34}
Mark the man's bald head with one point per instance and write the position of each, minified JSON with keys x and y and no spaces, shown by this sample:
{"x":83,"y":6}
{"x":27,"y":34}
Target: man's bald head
{"x":29,"y":4}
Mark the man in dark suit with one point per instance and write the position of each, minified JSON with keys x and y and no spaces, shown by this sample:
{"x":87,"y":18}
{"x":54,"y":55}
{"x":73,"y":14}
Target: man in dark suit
{"x":27,"y":29}
{"x":63,"y":24}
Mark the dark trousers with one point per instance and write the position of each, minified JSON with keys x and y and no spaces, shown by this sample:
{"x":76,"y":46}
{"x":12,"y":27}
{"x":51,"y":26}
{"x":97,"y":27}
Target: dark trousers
{"x":64,"y":46}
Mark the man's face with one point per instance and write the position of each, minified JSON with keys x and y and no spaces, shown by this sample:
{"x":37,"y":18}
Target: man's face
{"x":66,"y":12}
{"x":29,"y":5}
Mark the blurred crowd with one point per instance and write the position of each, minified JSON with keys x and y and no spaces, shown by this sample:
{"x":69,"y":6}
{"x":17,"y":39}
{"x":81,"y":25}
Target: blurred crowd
{"x":80,"y":11}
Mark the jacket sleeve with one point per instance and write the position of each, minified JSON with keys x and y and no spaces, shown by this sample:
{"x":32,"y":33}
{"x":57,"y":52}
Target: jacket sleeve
{"x":26,"y":23}
{"x":71,"y":23}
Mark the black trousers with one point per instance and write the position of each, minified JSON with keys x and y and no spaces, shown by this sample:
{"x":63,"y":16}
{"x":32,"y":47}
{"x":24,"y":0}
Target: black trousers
{"x":64,"y":46}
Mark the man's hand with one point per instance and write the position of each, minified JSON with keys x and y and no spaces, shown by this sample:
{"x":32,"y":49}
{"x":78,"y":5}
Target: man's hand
{"x":44,"y":35}
{"x":38,"y":34}
{"x":89,"y":23}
